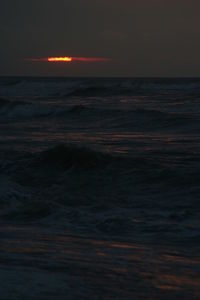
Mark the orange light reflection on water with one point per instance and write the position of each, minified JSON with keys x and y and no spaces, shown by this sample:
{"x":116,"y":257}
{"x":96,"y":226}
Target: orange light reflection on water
{"x":160,"y":268}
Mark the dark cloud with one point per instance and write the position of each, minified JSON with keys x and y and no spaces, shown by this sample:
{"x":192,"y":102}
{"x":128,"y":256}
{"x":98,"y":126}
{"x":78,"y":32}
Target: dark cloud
{"x":143,"y":37}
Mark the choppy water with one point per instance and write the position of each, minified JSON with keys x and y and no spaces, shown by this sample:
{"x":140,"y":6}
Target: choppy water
{"x":105,"y":158}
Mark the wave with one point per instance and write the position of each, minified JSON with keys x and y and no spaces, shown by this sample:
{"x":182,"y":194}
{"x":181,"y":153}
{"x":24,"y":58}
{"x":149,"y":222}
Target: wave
{"x":133,"y":88}
{"x":99,"y":91}
{"x":11,"y":82}
{"x":46,"y":88}
{"x":10,"y":107}
{"x":4,"y":102}
{"x":66,"y":156}
{"x":14,"y":108}
{"x":83,"y":188}
{"x":128,"y":119}
{"x":23,"y":109}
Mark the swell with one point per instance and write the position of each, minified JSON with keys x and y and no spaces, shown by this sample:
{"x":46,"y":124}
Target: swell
{"x":11,"y":82}
{"x":132,"y":89}
{"x":63,"y":156}
{"x":85,"y":188}
{"x":68,"y":87}
{"x":23,"y":109}
{"x":26,"y":109}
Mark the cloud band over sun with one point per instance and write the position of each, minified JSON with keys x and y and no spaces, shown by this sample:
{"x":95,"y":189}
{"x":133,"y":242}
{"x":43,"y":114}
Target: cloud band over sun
{"x":69,"y":59}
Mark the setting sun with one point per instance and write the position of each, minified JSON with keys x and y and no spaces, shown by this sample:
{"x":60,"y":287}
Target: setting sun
{"x":60,"y":59}
{"x":68,"y":59}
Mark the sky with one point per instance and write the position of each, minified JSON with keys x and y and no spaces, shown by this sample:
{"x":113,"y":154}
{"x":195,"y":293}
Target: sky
{"x":140,"y":38}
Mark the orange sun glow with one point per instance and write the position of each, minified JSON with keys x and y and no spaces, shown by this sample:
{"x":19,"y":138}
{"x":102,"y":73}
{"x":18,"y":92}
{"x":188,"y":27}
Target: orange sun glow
{"x":59,"y":59}
{"x":68,"y":59}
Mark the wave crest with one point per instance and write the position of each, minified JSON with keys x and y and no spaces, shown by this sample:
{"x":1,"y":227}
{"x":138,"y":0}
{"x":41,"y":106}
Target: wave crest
{"x":67,"y":156}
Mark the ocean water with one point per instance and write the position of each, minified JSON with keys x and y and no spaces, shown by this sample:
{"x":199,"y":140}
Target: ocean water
{"x":109,"y":163}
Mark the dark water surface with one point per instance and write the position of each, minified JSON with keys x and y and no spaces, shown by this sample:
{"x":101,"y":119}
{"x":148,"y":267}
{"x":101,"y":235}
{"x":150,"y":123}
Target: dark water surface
{"x":99,"y":188}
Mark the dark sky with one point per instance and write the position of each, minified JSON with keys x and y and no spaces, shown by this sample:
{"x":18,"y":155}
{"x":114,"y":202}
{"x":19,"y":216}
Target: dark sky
{"x":142,"y":37}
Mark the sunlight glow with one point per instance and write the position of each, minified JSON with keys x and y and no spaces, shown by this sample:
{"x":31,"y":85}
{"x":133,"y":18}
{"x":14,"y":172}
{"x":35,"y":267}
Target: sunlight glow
{"x":80,"y":59}
{"x":68,"y":59}
{"x":60,"y":59}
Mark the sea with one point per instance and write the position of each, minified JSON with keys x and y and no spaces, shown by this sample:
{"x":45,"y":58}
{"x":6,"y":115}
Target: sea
{"x":100,"y":188}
